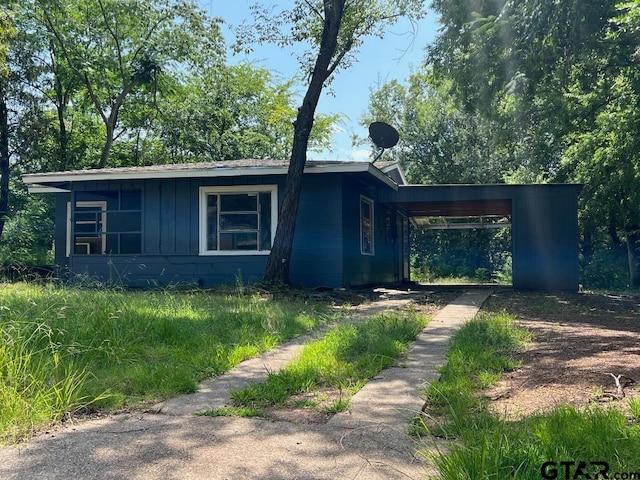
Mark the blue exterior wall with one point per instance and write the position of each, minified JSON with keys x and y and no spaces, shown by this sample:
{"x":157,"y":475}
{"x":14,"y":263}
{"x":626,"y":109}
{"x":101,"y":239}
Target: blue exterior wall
{"x":545,"y":239}
{"x":60,"y":230}
{"x":544,"y":228}
{"x":316,"y":259}
{"x":326,"y":248}
{"x":170,"y":238}
{"x":359,"y":269}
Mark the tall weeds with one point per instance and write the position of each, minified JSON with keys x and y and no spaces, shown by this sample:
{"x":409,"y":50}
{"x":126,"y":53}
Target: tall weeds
{"x":37,"y":383}
{"x":67,"y":349}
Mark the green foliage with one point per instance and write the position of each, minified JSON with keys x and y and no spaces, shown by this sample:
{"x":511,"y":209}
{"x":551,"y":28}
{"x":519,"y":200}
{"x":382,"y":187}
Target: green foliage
{"x":634,"y":407}
{"x":7,"y":31}
{"x":340,"y":405}
{"x":478,"y":354}
{"x":306,"y":22}
{"x":492,"y":448}
{"x":483,"y":255}
{"x":65,"y":349}
{"x":232,"y":412}
{"x":605,"y":269}
{"x":27,"y":236}
{"x":117,"y":49}
{"x":439,"y":142}
{"x":228,"y":113}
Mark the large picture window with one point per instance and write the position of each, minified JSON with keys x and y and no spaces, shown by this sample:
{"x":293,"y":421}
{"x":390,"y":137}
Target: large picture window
{"x":237,"y":219}
{"x":366,"y":226}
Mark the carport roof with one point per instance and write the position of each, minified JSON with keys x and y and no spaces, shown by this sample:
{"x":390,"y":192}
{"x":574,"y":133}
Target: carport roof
{"x":457,"y":200}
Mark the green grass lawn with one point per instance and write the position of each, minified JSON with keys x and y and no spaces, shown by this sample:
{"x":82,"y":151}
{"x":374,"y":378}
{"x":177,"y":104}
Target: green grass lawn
{"x":66,"y":350}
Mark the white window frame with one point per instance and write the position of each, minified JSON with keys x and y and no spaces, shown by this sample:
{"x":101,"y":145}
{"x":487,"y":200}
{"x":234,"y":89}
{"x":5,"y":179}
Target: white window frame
{"x":369,"y":201}
{"x":102,"y":205}
{"x":204,"y":191}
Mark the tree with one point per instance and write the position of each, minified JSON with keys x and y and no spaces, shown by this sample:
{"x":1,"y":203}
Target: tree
{"x":118,"y":47}
{"x":231,"y":112}
{"x":439,"y":142}
{"x":6,"y":34}
{"x":560,"y":78}
{"x":603,"y":153}
{"x":335,"y":29}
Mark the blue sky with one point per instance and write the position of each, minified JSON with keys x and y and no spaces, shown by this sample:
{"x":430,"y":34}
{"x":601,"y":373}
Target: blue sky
{"x":378,"y":61}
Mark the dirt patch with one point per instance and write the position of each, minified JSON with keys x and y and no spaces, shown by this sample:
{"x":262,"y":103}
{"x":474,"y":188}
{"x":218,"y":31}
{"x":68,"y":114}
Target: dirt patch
{"x":310,"y":408}
{"x":579,"y":340}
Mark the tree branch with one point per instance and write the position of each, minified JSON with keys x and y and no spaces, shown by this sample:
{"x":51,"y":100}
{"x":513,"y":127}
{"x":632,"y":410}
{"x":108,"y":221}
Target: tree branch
{"x":83,"y":75}
{"x":314,"y":9}
{"x":114,"y":36}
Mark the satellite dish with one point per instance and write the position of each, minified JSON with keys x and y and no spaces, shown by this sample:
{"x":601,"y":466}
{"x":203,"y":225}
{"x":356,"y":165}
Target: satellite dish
{"x":383,"y":136}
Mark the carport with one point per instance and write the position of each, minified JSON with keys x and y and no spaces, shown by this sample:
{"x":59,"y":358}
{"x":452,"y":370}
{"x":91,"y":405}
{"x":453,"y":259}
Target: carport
{"x":543,"y":220}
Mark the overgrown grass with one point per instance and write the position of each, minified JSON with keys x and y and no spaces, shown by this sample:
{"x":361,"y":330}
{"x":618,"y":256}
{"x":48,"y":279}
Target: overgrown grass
{"x":65,"y":349}
{"x":344,"y":359}
{"x":487,"y":447}
{"x":478,"y":355}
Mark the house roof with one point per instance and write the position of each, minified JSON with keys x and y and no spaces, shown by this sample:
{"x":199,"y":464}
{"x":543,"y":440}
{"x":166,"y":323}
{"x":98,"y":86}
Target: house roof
{"x":61,"y":181}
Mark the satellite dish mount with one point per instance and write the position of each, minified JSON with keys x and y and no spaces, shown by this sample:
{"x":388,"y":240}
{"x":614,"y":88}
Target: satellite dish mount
{"x":383,"y":136}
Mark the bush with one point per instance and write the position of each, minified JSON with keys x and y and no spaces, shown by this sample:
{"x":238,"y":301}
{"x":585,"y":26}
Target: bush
{"x":606,"y":268}
{"x":27,"y":238}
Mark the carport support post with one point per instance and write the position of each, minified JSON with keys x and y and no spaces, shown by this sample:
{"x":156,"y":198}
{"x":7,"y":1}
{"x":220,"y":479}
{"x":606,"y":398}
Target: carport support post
{"x":545,"y":237}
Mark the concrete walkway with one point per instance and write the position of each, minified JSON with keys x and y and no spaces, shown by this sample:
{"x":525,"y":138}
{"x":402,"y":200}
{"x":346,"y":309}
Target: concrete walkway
{"x":368,"y":442}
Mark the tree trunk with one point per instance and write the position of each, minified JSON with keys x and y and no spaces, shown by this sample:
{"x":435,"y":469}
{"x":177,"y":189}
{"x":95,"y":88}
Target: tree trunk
{"x":4,"y":160}
{"x":633,"y":253}
{"x":106,"y":148}
{"x":63,"y":139}
{"x":278,"y":264}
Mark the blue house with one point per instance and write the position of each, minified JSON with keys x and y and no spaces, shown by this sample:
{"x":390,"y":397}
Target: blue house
{"x":210,"y":223}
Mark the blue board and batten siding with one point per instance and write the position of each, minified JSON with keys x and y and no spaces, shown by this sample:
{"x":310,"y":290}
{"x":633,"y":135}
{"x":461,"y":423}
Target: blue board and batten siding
{"x":363,"y":269}
{"x":327,"y":227}
{"x":327,"y":248}
{"x":170,"y":237}
{"x":544,"y":229}
{"x":316,"y":259}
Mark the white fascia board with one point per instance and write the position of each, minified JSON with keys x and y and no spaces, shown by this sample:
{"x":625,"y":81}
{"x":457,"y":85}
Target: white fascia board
{"x":97,"y":175}
{"x":34,"y":179}
{"x":353,"y":167}
{"x":36,"y":188}
{"x":396,"y":166}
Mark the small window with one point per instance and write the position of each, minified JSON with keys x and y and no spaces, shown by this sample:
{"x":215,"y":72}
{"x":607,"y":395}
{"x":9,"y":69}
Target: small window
{"x":237,"y":220}
{"x":366,"y":226}
{"x":100,"y":223}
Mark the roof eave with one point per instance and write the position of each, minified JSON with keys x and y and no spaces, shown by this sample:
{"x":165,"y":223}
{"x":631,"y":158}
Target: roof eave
{"x":39,"y":182}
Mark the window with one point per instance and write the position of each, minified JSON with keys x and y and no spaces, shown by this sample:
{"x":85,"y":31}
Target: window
{"x":237,"y":219}
{"x":366,"y":226}
{"x":101,"y":223}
